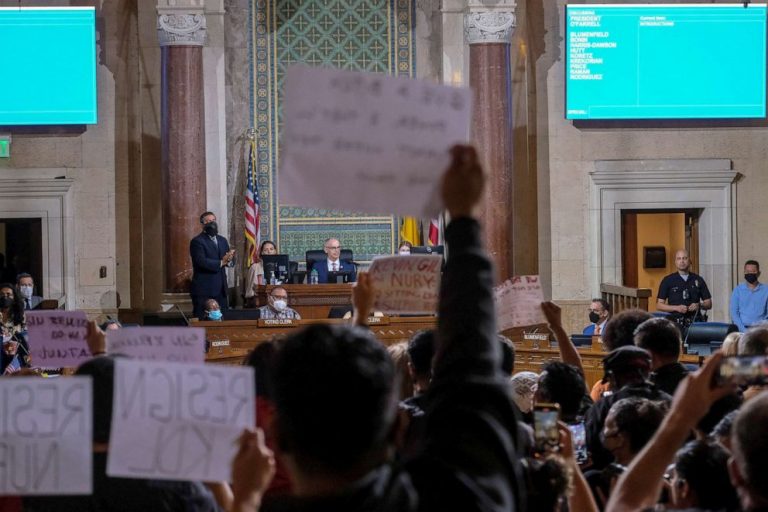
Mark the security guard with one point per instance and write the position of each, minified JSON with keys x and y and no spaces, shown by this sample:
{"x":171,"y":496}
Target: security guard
{"x":684,"y":294}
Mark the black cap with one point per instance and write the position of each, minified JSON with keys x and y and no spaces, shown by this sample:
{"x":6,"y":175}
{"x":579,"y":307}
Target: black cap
{"x":626,"y":359}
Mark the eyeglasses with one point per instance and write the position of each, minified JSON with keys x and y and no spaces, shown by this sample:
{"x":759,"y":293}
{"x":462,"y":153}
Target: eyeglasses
{"x":333,"y":247}
{"x":279,"y":297}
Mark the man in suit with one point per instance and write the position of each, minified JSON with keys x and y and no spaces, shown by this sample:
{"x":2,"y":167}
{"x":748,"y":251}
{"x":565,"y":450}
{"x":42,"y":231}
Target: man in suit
{"x":332,"y":262}
{"x":210,"y":255}
{"x":599,"y":314}
{"x":26,"y":286}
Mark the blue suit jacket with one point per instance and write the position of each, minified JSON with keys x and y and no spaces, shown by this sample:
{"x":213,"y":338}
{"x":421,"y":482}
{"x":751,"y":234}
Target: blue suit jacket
{"x":589,"y":330}
{"x":209,"y":278}
{"x":344,"y":266}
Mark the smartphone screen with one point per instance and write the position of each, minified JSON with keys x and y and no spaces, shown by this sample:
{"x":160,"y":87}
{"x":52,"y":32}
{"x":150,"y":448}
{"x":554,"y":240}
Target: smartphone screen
{"x":545,"y":433}
{"x":744,"y":370}
{"x":579,"y":435}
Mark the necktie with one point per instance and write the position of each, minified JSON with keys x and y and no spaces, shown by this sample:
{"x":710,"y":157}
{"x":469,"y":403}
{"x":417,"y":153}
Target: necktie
{"x":27,"y":304}
{"x":335,"y":266}
{"x":597,"y":329}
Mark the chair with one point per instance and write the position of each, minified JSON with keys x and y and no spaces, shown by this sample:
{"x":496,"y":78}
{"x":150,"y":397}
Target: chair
{"x":314,"y":255}
{"x":703,"y":333}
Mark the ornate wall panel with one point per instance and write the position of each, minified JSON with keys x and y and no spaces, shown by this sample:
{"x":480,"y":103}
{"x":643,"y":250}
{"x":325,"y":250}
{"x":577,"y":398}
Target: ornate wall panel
{"x":364,"y":35}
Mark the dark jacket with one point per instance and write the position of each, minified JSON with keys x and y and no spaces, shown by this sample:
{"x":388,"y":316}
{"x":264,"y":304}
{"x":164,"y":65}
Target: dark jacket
{"x":209,"y":278}
{"x":667,"y":377}
{"x":344,"y":266}
{"x":470,"y":457}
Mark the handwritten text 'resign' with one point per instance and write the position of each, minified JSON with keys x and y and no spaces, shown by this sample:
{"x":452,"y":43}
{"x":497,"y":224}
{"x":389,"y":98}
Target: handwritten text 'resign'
{"x":178,"y":421}
{"x":173,"y":344}
{"x":368,"y":142}
{"x":45,"y":436}
{"x":57,"y":338}
{"x":406,"y":284}
{"x":518,"y":302}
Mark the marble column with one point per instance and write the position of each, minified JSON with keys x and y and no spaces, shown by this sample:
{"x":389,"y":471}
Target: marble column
{"x":488,"y":33}
{"x":182,"y":37}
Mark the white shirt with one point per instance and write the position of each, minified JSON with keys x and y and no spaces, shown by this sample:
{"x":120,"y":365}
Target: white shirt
{"x":332,"y":263}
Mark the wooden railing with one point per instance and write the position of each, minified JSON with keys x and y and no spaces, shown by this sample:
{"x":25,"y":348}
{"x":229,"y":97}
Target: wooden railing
{"x":623,"y":297}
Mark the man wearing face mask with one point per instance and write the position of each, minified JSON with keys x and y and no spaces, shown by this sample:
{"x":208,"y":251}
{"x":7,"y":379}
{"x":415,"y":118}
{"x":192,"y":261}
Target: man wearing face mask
{"x":749,"y":301}
{"x":210,"y":255}
{"x":26,"y":286}
{"x":277,"y":307}
{"x":599,"y":314}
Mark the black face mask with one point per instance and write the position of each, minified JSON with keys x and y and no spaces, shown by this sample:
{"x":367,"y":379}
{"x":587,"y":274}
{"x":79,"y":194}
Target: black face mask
{"x":5,"y":302}
{"x":750,"y":278}
{"x":594,"y":317}
{"x":211,"y":229}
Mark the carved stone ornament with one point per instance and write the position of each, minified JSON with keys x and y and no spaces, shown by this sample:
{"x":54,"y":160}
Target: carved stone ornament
{"x":181,"y":29}
{"x":489,"y":27}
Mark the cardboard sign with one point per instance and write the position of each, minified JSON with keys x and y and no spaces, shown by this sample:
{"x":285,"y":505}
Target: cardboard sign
{"x":45,"y":436}
{"x":176,"y":421}
{"x":368,"y":142}
{"x":518,"y":302}
{"x":406,"y":284}
{"x":57,"y":338}
{"x":173,"y":344}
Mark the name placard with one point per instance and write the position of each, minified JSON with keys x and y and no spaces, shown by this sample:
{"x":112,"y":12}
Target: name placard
{"x":277,"y":322}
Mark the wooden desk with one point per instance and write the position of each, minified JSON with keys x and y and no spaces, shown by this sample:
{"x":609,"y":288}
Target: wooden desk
{"x":312,"y":301}
{"x":230,"y":341}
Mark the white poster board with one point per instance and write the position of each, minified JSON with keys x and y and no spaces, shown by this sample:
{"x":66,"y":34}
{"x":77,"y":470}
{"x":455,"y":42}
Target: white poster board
{"x":406,"y":284}
{"x":175,"y":421}
{"x":45,"y":436}
{"x":57,"y":338}
{"x":172,"y":344}
{"x":368,"y":142}
{"x":518,"y":302}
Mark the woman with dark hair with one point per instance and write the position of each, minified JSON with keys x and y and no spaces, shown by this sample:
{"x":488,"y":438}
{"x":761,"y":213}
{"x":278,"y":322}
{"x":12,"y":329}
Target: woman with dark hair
{"x":255,"y":275}
{"x":13,"y":326}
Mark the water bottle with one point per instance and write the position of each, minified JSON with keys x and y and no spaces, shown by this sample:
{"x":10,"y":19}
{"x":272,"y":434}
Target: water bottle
{"x":313,"y":277}
{"x":272,"y":278}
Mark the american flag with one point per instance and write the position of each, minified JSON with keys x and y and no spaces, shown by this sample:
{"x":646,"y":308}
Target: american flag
{"x":252,"y":209}
{"x":13,"y":366}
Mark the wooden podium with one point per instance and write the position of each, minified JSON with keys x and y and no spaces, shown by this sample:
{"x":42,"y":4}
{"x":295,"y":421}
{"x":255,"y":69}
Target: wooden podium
{"x":312,"y":301}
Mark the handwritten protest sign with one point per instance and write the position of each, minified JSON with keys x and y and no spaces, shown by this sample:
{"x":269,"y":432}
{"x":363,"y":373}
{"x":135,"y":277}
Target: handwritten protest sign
{"x":174,"y":344}
{"x":45,"y":436}
{"x":406,"y":284}
{"x":57,"y":338}
{"x":368,"y":142}
{"x":518,"y":302}
{"x":178,"y":421}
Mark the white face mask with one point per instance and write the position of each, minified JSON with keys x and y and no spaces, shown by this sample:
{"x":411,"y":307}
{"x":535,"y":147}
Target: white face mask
{"x":26,"y":291}
{"x":405,"y":252}
{"x":280,"y":304}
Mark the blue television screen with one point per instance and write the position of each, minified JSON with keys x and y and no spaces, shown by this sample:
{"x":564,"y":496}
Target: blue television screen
{"x":662,"y":61}
{"x":47,"y":66}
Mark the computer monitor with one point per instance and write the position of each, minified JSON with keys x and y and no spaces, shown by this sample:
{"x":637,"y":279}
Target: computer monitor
{"x":581,"y":340}
{"x":277,"y":264}
{"x":339,"y":277}
{"x":427,"y":249}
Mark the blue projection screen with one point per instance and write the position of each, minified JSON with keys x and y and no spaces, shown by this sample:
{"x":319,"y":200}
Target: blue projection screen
{"x":47,"y":66}
{"x":665,"y":61}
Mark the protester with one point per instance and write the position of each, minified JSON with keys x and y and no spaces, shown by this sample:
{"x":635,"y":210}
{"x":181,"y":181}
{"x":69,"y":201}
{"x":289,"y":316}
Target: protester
{"x":640,"y":486}
{"x":661,"y":338}
{"x":336,"y":450}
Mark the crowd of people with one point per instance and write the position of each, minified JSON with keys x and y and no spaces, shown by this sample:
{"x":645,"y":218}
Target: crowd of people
{"x":443,"y":422}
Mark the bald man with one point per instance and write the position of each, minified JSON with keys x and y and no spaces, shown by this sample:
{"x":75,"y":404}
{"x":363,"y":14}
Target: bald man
{"x":333,"y":263}
{"x":684,"y":294}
